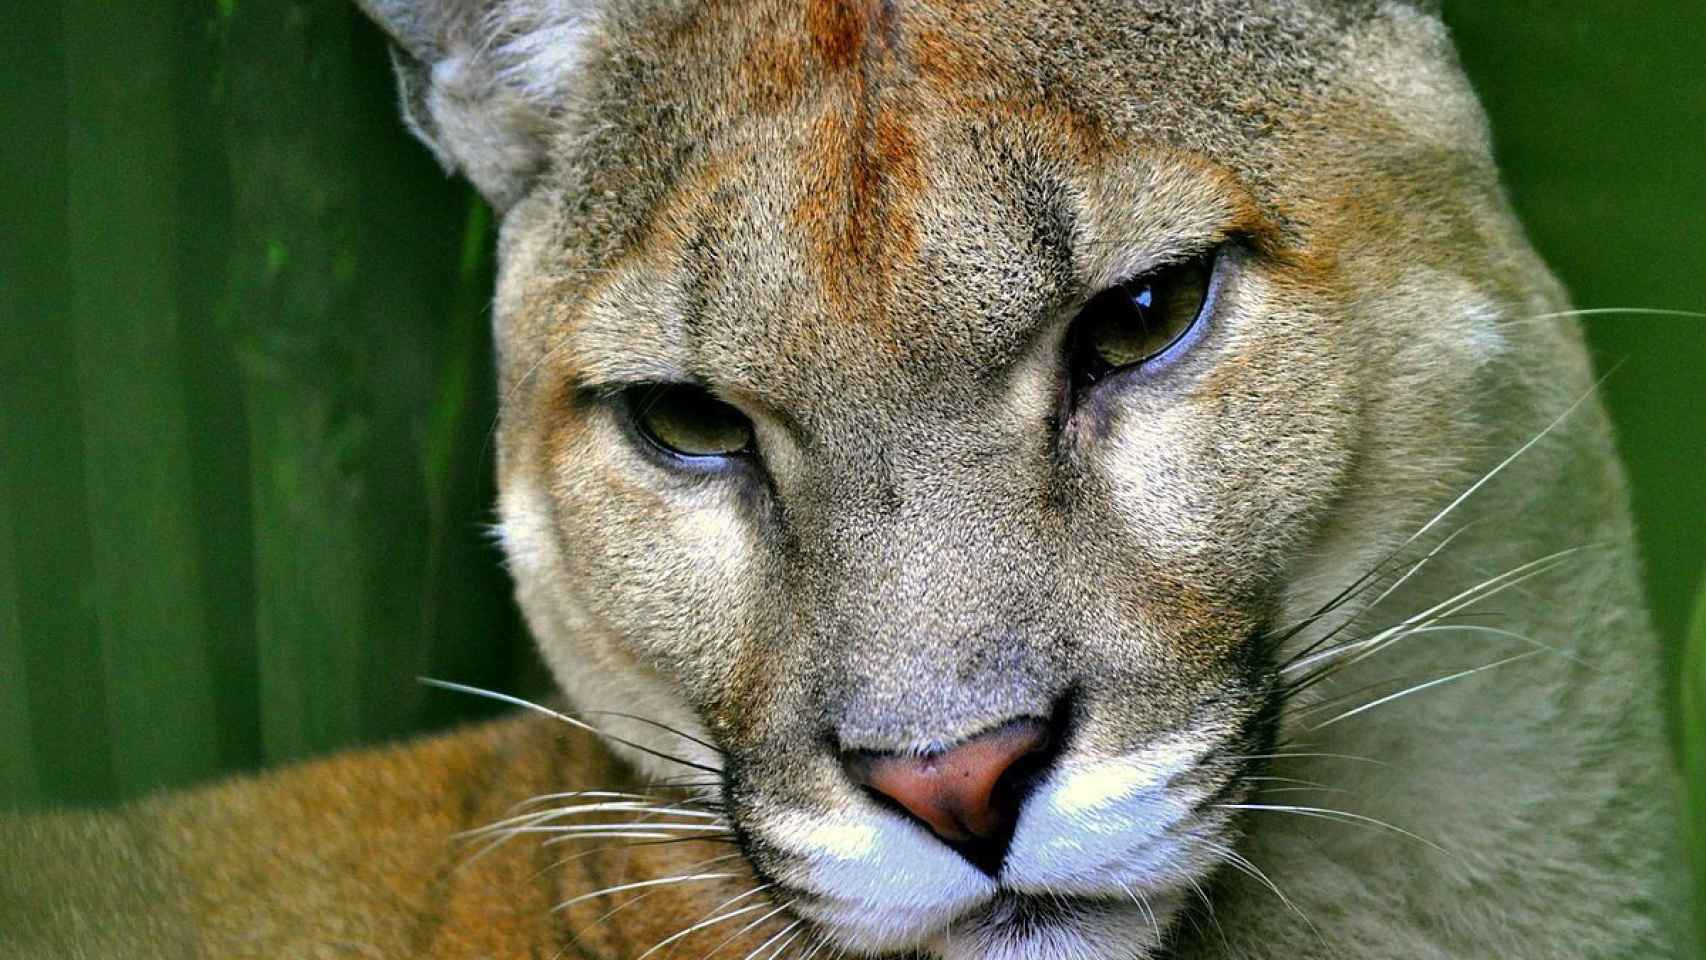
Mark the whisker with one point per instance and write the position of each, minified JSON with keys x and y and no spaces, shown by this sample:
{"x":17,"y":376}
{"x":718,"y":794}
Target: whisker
{"x":1308,"y":756}
{"x":1272,"y":791}
{"x":1361,"y":583}
{"x":558,"y":715}
{"x":1611,"y":311}
{"x":643,"y":884}
{"x":1424,"y":686}
{"x":786,"y":943}
{"x":595,"y":828}
{"x":731,"y":938}
{"x":1506,"y":462}
{"x":605,"y":917}
{"x":1208,"y":905}
{"x":545,"y":816}
{"x":1291,"y":780}
{"x":672,"y":938}
{"x":1507,"y":634}
{"x":659,"y":725}
{"x":1360,"y":650}
{"x":1337,"y":816}
{"x":1249,"y":869}
{"x":646,"y":839}
{"x":594,"y":851}
{"x":1392,"y":588}
{"x":502,"y":831}
{"x":1143,"y":906}
{"x":731,"y":902}
{"x":1330,"y":702}
{"x":618,"y":835}
{"x":583,"y":795}
{"x":817,"y":946}
{"x":773,"y":939}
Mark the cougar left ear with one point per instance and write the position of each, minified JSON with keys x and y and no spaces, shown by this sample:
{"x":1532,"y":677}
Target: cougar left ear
{"x":482,"y":81}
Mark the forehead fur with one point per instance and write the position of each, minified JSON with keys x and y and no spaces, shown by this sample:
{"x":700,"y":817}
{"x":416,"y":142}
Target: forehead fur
{"x":1216,"y":77}
{"x":855,"y":121}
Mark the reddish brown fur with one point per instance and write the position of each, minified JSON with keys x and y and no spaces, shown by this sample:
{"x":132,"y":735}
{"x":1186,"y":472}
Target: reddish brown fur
{"x":355,"y":856}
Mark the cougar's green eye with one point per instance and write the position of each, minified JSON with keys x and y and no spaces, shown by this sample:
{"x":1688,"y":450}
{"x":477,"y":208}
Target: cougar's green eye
{"x":1136,"y":322}
{"x":686,"y":421}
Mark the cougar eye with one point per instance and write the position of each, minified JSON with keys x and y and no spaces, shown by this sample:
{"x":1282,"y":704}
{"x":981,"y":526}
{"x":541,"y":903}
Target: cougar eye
{"x":1134,"y":322}
{"x":686,"y":421}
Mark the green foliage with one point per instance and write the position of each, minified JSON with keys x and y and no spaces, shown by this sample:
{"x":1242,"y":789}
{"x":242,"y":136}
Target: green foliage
{"x":1596,"y":111}
{"x":246,"y":398}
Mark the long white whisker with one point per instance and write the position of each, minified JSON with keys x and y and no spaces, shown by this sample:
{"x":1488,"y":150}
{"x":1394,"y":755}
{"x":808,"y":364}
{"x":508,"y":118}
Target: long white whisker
{"x":642,"y":884}
{"x":816,"y":948}
{"x":1418,"y":688}
{"x":1340,"y":816}
{"x":1414,"y":568}
{"x":1254,"y":872}
{"x":771,"y":940}
{"x":500,"y":833}
{"x":734,"y":900}
{"x":1447,"y":511}
{"x":1439,"y":612}
{"x":699,"y":926}
{"x":1350,"y":654}
{"x":1208,"y":905}
{"x":1445,"y":608}
{"x":585,"y":795}
{"x":1309,"y":784}
{"x":545,"y":816}
{"x":1308,"y":756}
{"x":1507,"y":634}
{"x":575,"y":722}
{"x":731,"y":938}
{"x":664,"y":828}
{"x":1490,"y":474}
{"x":1608,"y":311}
{"x":615,"y":835}
{"x":602,"y":918}
{"x":1143,"y":907}
{"x":1271,"y":791}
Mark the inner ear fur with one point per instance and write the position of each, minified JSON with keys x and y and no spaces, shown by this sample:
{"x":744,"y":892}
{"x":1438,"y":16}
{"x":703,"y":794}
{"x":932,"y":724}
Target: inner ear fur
{"x":482,"y":81}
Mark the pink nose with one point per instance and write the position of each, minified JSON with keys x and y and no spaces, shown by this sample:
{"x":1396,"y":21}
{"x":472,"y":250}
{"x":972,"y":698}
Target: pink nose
{"x":969,"y":794}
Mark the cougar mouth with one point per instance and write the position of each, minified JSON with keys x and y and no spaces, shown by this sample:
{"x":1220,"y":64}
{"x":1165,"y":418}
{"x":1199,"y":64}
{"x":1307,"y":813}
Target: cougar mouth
{"x":1105,"y":855}
{"x":1016,"y":925}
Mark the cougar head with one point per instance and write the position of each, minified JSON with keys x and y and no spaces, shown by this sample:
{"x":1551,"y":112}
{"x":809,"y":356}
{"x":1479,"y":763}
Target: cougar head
{"x":939,"y":414}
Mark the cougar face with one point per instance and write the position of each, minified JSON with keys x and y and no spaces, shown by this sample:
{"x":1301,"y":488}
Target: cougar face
{"x":942,"y":415}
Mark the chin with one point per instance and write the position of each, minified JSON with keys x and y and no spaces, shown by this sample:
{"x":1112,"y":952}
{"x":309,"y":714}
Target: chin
{"x":1027,"y":927}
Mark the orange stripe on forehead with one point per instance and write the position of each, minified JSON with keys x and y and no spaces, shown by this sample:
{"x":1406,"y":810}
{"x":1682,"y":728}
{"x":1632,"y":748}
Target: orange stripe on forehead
{"x":842,"y":30}
{"x":856,"y":211}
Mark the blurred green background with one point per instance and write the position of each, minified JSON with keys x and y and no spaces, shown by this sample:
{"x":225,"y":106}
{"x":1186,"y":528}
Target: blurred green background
{"x":246,"y":392}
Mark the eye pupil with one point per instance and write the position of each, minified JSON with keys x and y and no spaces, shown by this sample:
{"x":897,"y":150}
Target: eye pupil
{"x":685,"y":420}
{"x":1135,"y":322}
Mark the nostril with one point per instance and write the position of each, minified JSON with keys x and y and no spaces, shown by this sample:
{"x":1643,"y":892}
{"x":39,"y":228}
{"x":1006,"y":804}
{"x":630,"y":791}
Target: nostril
{"x":968,"y":795}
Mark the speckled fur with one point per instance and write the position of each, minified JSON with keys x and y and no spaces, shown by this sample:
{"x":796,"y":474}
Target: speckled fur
{"x":868,"y":224}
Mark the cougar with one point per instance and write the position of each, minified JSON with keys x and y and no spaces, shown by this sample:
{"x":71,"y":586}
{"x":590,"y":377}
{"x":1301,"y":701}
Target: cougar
{"x":992,"y":481}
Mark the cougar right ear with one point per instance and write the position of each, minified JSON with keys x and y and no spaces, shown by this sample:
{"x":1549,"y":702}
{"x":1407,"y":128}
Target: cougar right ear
{"x":483,"y":81}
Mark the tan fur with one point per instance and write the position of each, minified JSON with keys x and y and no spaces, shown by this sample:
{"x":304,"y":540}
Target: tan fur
{"x":356,"y":856}
{"x":868,"y":225}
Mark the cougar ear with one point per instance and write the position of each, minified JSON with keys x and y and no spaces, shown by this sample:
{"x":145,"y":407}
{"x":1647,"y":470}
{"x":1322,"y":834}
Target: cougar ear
{"x":482,"y":81}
